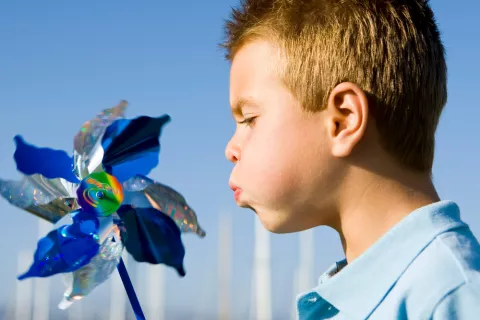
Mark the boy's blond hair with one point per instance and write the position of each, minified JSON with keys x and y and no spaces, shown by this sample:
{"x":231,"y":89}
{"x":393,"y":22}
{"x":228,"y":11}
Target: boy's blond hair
{"x":390,"y":48}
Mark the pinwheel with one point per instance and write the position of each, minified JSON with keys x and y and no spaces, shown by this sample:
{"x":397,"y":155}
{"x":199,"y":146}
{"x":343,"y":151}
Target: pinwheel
{"x":101,"y":202}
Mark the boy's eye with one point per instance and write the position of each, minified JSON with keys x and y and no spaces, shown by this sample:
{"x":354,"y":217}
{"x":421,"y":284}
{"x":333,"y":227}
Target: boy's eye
{"x":248,"y":121}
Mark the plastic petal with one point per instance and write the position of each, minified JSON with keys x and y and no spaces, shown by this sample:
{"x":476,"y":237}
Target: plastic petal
{"x":66,"y":248}
{"x":143,"y":192}
{"x":88,"y":151}
{"x":153,"y":237}
{"x":48,"y":162}
{"x":49,"y":199}
{"x":84,"y":280}
{"x":54,"y":210}
{"x":132,"y":146}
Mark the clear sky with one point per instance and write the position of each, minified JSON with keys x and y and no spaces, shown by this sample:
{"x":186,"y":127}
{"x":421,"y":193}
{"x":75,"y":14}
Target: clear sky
{"x":61,"y":62}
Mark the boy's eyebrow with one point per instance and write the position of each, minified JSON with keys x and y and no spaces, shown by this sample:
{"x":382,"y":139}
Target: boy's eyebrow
{"x":237,"y":107}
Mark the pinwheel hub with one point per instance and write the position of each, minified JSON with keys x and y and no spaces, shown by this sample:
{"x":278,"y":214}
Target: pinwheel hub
{"x":100,"y":193}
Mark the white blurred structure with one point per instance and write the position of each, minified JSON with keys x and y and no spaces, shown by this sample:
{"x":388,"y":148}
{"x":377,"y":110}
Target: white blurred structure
{"x":75,"y":311}
{"x":261,"y":273}
{"x":41,"y":286}
{"x":118,"y":296}
{"x":155,"y":292}
{"x":23,"y":294}
{"x":224,"y":266}
{"x":304,"y":277}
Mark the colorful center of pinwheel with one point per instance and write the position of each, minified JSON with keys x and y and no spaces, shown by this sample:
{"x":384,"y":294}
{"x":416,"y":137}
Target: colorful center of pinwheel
{"x":100,"y":193}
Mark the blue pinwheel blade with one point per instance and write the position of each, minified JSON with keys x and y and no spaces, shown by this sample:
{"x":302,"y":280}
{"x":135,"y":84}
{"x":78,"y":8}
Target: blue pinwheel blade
{"x":132,"y":147}
{"x":48,"y":162}
{"x":65,"y":249}
{"x":141,"y":191}
{"x":153,"y":237}
{"x":98,"y":270}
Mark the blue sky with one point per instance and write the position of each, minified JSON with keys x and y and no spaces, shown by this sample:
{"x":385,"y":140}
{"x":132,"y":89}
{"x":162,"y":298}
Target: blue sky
{"x":61,"y":62}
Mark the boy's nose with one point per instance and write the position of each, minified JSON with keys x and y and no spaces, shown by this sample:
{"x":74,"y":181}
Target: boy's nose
{"x":232,"y":152}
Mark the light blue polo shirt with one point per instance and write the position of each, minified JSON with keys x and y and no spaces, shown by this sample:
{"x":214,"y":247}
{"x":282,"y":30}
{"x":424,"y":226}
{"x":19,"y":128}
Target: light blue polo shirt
{"x":426,"y":267}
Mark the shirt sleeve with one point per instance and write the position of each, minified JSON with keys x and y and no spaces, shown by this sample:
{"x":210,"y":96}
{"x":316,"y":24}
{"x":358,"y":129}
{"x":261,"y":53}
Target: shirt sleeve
{"x":463,"y":304}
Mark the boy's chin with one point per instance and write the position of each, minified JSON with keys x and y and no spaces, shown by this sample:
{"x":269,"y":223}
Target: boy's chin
{"x":276,"y":223}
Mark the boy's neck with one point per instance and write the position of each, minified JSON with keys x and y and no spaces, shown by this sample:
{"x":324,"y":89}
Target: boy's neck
{"x":375,"y":203}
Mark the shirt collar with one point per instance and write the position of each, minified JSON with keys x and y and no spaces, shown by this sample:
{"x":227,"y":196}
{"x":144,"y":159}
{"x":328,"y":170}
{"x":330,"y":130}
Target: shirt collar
{"x":361,"y":285}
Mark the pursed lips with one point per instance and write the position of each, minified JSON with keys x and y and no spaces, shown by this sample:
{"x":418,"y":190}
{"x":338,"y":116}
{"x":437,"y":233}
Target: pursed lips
{"x":236,"y":191}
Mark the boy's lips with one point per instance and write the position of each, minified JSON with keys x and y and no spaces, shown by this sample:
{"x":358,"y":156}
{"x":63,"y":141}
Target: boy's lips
{"x":236,"y":191}
{"x":236,"y":194}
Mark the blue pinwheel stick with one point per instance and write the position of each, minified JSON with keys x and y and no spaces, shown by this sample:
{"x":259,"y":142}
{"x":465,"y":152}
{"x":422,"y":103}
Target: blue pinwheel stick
{"x":132,"y":296}
{"x":101,"y":203}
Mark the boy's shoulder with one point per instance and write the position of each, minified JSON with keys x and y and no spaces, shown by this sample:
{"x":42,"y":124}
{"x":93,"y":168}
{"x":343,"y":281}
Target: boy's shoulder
{"x":426,"y":267}
{"x":443,"y":282}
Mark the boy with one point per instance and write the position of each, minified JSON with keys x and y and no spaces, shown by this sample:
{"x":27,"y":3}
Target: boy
{"x":337,"y":103}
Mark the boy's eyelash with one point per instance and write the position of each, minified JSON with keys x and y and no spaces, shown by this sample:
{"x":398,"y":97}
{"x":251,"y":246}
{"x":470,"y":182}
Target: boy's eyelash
{"x":247,"y":121}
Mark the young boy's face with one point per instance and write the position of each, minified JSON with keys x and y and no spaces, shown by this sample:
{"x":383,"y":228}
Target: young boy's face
{"x":283,"y":170}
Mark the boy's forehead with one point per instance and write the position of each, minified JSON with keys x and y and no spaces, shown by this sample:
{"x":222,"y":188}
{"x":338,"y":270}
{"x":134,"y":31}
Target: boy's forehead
{"x":255,"y":58}
{"x":251,"y":73}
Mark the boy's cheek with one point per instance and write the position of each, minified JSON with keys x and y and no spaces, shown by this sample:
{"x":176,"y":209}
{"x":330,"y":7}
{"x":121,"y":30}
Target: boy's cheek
{"x":264,"y":177}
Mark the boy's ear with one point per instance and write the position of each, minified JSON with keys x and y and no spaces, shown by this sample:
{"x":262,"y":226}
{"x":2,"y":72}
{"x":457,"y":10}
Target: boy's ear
{"x":347,"y":115}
